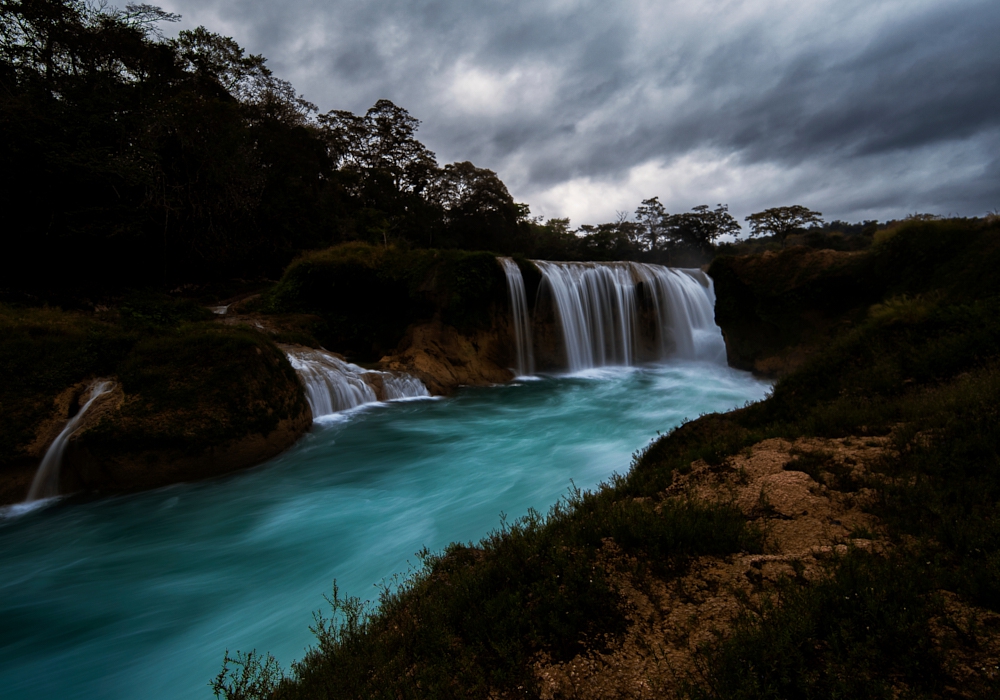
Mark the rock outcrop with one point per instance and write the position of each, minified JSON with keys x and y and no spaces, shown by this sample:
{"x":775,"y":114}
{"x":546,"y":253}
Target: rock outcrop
{"x":444,"y":358}
{"x":776,"y":308}
{"x":184,"y":407}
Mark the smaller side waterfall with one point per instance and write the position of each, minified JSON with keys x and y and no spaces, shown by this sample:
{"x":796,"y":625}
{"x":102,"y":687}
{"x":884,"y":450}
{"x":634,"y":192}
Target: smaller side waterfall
{"x":46,"y":481}
{"x":401,"y":386}
{"x":525,"y":359}
{"x":333,"y":385}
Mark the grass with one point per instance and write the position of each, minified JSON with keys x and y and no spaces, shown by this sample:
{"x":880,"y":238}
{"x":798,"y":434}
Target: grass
{"x":861,"y":632}
{"x":475,"y":617}
{"x":924,"y":370}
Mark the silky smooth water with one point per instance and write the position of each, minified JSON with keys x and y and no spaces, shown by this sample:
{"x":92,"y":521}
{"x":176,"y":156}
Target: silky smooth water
{"x":140,"y":595}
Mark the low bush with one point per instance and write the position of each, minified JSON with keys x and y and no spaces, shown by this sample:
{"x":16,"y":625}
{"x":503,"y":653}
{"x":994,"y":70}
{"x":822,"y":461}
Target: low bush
{"x":860,"y":632}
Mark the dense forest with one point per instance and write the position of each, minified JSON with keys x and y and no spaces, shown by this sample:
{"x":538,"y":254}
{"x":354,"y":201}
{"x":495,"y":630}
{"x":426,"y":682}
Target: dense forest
{"x":133,"y":159}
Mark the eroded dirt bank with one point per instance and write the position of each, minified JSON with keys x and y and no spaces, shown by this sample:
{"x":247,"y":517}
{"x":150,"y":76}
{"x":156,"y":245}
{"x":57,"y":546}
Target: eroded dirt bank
{"x":805,"y":521}
{"x":810,"y":520}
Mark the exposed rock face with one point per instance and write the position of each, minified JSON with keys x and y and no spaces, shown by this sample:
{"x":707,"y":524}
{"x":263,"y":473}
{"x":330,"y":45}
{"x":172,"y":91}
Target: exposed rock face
{"x":776,"y":308}
{"x":444,"y":358}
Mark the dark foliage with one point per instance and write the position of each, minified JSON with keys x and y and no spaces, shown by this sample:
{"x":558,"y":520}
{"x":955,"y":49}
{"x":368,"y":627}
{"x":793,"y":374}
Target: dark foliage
{"x":367,"y":295}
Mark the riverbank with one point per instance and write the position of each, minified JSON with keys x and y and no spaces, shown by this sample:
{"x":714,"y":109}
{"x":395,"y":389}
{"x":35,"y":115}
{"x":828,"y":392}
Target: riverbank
{"x":837,"y":539}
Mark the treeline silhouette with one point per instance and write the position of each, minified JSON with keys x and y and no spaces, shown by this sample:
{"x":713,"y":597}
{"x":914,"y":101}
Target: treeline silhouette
{"x":130,"y":159}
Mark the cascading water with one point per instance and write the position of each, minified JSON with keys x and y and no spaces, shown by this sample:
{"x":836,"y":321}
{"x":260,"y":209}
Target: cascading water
{"x":401,"y":386}
{"x":598,"y":312}
{"x":333,"y":385}
{"x":46,"y":481}
{"x":684,"y":302}
{"x":596,"y":307}
{"x":525,"y":359}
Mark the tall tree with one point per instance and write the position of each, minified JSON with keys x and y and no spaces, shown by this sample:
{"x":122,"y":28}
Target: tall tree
{"x":381,"y":142}
{"x":651,"y":218}
{"x":478,"y":211}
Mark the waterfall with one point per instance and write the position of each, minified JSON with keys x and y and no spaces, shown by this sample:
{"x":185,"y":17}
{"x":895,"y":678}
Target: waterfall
{"x":596,"y":306}
{"x":684,"y":302}
{"x":333,"y":385}
{"x":525,"y":360}
{"x":599,"y":312}
{"x":46,"y":481}
{"x":401,"y":386}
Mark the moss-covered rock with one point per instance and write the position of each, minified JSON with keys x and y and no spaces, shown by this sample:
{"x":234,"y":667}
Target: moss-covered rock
{"x":200,"y":402}
{"x":193,"y":399}
{"x":368,"y":296}
{"x":776,"y":308}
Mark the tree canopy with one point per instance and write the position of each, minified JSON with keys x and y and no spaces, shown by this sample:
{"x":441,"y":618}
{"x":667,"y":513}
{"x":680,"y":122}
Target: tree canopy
{"x":782,"y":221}
{"x":134,"y":159}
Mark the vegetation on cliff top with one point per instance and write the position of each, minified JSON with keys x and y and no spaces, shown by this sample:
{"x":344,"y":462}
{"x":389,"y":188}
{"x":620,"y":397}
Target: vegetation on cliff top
{"x":921,"y":367}
{"x":366,"y":296}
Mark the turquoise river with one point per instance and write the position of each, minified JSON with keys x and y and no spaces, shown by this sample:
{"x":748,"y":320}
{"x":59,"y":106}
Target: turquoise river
{"x":141,"y":595}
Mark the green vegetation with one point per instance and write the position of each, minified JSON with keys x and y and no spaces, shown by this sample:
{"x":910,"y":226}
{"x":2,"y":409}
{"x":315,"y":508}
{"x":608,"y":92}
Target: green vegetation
{"x":923,"y":370}
{"x":365,"y":296}
{"x":862,"y":632}
{"x":782,"y":221}
{"x":920,"y":366}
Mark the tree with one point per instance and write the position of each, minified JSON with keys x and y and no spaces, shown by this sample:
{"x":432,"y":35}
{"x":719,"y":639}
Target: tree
{"x":701,"y":227}
{"x":651,"y":219}
{"x":478,"y":211}
{"x":782,"y":221}
{"x":618,"y":240}
{"x":381,"y":142}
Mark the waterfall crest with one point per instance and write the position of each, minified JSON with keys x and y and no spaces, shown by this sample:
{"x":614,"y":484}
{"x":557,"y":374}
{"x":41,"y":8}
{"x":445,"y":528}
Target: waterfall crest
{"x":333,"y":385}
{"x":600,"y":312}
{"x":524,"y":356}
{"x":46,"y":481}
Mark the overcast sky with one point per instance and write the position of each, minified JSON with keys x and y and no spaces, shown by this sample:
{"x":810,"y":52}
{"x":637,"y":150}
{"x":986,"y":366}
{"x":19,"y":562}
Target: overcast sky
{"x":862,"y":109}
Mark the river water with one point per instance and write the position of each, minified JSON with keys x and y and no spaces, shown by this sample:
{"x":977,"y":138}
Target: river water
{"x":140,"y":595}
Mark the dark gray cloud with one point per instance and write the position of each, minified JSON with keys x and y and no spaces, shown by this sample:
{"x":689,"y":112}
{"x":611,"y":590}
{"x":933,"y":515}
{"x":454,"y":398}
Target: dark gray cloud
{"x":862,"y":109}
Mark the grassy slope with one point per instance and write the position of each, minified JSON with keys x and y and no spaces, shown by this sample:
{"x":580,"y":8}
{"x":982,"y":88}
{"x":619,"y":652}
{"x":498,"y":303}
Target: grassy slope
{"x":923,"y":367}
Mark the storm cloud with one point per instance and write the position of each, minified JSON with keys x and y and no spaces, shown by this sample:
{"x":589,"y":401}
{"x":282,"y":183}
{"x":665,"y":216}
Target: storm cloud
{"x":859,"y":109}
